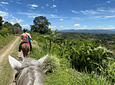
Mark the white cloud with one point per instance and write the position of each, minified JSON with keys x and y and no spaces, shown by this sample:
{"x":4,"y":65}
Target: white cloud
{"x":18,"y":3}
{"x":4,"y":14}
{"x":74,"y":11}
{"x":61,"y":19}
{"x":4,"y":2}
{"x":54,"y":6}
{"x":47,"y":4}
{"x":89,"y":12}
{"x":52,"y":27}
{"x":108,"y":1}
{"x":77,"y":25}
{"x":42,"y":7}
{"x":32,"y":6}
{"x":26,"y":26}
{"x":53,"y":15}
{"x":61,"y":26}
{"x":15,"y":20}
{"x":76,"y":18}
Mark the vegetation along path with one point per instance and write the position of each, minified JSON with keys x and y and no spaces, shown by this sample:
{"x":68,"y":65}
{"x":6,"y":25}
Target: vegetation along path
{"x":6,"y":71}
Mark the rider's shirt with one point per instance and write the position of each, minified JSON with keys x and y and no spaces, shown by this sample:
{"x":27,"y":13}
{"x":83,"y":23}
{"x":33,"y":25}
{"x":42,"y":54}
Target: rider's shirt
{"x":24,"y":37}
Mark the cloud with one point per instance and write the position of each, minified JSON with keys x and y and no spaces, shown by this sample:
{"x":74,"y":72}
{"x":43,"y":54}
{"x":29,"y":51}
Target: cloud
{"x":32,"y":6}
{"x":47,"y":4}
{"x":77,"y":25}
{"x":30,"y":15}
{"x":26,"y":26}
{"x":88,"y":12}
{"x":54,"y":6}
{"x":53,"y":15}
{"x":76,"y":18}
{"x":74,"y":11}
{"x":61,"y":19}
{"x":52,"y":27}
{"x":107,"y":2}
{"x":33,"y":15}
{"x":15,"y":20}
{"x":19,"y":3}
{"x":4,"y":14}
{"x":42,"y":7}
{"x":4,"y":2}
{"x":61,"y":26}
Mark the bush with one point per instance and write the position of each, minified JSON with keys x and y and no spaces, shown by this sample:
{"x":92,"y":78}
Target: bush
{"x":91,"y":57}
{"x":35,"y":46}
{"x":51,"y":64}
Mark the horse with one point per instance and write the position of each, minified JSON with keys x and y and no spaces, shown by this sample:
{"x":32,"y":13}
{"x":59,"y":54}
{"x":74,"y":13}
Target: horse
{"x":29,"y":71}
{"x":25,"y":47}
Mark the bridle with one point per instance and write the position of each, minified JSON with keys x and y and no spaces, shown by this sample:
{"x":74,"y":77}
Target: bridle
{"x":16,"y":75}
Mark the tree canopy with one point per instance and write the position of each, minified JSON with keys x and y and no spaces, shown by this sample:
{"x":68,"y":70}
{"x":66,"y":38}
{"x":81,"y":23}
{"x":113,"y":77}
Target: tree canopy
{"x":40,"y":25}
{"x":1,"y":21}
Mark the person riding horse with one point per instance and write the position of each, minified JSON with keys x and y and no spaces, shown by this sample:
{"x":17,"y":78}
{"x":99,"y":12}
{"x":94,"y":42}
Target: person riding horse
{"x":25,"y":38}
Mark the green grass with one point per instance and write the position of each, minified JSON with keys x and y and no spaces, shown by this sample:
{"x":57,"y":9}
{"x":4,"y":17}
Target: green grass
{"x":6,"y":71}
{"x":5,"y":40}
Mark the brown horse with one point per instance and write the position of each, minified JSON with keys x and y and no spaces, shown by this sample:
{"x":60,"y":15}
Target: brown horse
{"x":25,"y":47}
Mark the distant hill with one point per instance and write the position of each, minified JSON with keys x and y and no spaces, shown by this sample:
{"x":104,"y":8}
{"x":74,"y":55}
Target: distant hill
{"x":112,"y":31}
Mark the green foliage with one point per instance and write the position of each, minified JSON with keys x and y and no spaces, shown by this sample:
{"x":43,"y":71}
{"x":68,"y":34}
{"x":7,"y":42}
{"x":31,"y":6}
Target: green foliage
{"x":1,"y":21}
{"x":5,"y":40}
{"x":9,"y":26}
{"x":4,"y":31}
{"x":40,"y":25}
{"x":17,"y":25}
{"x":51,"y":63}
{"x":91,"y":57}
{"x":81,"y":54}
{"x":35,"y":45}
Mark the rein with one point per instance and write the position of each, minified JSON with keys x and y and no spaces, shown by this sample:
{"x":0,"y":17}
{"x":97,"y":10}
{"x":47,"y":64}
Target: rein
{"x":16,"y":75}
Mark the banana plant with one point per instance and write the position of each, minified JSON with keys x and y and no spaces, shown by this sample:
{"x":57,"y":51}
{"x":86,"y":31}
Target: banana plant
{"x":52,"y":36}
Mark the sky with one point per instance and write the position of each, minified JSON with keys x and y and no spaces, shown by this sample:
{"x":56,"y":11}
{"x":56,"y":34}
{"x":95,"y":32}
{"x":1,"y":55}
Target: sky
{"x":62,"y":14}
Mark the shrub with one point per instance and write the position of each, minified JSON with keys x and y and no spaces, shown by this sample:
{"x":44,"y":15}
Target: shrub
{"x":35,"y":46}
{"x":91,"y":57}
{"x":51,"y":64}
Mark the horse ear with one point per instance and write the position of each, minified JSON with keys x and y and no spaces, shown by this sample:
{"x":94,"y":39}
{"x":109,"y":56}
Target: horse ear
{"x":41,"y":60}
{"x":14,"y":63}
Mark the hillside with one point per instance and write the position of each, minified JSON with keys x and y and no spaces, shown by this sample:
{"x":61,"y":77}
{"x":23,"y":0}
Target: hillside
{"x":89,"y":31}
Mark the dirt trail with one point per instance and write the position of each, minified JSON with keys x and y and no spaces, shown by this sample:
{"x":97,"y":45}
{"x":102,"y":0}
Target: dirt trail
{"x":8,"y":50}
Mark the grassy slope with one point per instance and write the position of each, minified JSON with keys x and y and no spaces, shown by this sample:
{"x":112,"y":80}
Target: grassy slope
{"x":66,"y":75}
{"x":6,"y":71}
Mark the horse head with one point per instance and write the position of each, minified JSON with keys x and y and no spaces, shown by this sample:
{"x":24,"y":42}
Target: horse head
{"x":29,"y":71}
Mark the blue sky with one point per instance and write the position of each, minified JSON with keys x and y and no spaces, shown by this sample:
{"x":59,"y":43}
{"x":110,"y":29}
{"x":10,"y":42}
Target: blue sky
{"x":62,"y":14}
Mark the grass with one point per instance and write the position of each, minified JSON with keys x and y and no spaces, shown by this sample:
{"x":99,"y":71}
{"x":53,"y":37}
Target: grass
{"x":6,"y":71}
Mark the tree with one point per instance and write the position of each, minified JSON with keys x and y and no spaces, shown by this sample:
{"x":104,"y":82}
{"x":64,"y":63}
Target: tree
{"x":17,"y":25}
{"x":1,"y":21}
{"x":40,"y":25}
{"x":9,"y":26}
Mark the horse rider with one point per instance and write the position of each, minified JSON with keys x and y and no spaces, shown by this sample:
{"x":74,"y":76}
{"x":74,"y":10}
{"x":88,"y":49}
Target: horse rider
{"x":25,"y":38}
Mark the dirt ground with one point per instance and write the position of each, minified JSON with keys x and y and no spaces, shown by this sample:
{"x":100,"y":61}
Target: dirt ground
{"x":7,"y":50}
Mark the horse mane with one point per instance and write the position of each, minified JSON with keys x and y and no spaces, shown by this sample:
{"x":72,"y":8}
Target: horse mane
{"x":31,"y":73}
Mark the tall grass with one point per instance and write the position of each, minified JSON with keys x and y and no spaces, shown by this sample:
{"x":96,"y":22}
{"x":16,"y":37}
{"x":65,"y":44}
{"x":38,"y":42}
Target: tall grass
{"x":5,"y":40}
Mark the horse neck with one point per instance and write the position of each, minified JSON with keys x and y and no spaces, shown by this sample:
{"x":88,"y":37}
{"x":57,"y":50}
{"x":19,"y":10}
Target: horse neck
{"x":31,"y":75}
